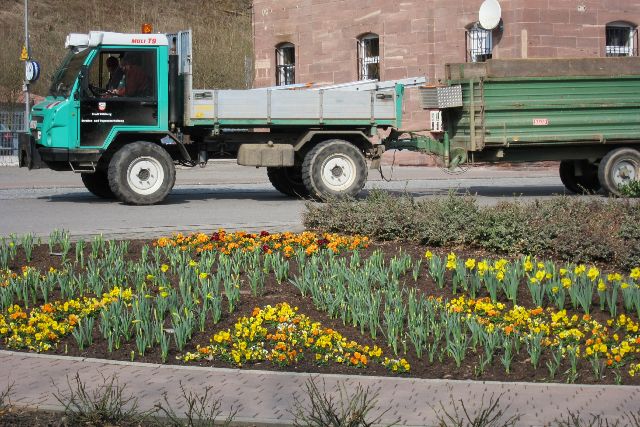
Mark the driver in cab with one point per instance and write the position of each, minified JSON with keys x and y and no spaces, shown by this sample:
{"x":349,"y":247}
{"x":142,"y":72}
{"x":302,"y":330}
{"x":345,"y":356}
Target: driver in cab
{"x":134,"y":82}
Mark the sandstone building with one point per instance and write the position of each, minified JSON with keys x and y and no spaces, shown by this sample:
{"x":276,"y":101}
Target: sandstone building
{"x":335,"y":41}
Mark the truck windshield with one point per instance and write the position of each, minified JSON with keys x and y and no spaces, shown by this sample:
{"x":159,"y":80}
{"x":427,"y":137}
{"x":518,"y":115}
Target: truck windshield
{"x":67,"y":72}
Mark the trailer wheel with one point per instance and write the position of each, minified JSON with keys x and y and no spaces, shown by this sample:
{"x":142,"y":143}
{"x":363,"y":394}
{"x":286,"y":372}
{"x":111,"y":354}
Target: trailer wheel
{"x":334,"y":168}
{"x":141,"y":173}
{"x":288,"y":181}
{"x":586,"y":183}
{"x":618,"y":167}
{"x":98,"y":184}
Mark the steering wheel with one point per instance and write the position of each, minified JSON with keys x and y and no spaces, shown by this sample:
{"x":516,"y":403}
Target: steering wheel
{"x":97,"y":90}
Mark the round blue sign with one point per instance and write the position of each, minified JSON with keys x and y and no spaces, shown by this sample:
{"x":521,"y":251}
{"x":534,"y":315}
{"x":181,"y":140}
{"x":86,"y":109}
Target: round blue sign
{"x":32,"y":71}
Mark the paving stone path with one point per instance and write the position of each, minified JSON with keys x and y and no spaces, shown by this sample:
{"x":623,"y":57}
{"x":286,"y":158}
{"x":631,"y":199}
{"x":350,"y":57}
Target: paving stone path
{"x":265,"y":398}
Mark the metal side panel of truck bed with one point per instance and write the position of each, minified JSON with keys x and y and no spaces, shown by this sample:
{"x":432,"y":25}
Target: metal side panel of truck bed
{"x":296,"y":107}
{"x":547,"y":102}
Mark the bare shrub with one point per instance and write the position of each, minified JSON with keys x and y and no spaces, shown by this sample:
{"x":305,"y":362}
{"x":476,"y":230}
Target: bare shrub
{"x":202,"y":410}
{"x":5,"y":400}
{"x":347,"y":410}
{"x":107,"y":404}
{"x":490,"y":414}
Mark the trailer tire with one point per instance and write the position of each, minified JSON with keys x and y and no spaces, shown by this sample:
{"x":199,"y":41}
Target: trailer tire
{"x":587,"y":183}
{"x":619,"y":167}
{"x":141,"y":173}
{"x":288,"y":181}
{"x":98,"y":184}
{"x":334,"y":168}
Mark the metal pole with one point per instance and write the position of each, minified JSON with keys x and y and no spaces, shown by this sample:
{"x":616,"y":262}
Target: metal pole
{"x":26,"y":83}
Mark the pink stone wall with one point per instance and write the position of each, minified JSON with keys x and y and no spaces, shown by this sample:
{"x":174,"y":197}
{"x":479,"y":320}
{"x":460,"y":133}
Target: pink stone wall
{"x":417,"y":37}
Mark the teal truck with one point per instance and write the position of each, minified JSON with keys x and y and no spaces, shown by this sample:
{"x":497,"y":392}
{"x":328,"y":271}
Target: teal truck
{"x":125,"y":141}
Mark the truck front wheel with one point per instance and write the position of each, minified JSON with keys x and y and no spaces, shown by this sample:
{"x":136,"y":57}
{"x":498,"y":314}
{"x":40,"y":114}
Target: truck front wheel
{"x":584,"y":183}
{"x":288,"y":181}
{"x":141,"y":173}
{"x":98,"y":184}
{"x":619,"y":167}
{"x":334,"y":168}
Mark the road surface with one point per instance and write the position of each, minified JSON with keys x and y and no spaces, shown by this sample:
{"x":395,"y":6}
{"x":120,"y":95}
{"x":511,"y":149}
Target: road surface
{"x":229,"y":196}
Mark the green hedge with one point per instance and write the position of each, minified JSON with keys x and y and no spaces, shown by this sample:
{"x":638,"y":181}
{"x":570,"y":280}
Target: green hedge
{"x":570,"y":228}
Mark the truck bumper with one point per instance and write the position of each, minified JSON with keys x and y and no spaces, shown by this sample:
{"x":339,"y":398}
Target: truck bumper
{"x":28,"y":154}
{"x":33,"y":156}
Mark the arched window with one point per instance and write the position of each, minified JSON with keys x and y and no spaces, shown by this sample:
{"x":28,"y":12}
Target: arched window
{"x":621,"y":39}
{"x":369,"y":57}
{"x":285,"y":64}
{"x":479,"y":43}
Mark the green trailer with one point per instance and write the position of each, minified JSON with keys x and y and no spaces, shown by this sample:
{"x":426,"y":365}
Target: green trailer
{"x":582,"y":112}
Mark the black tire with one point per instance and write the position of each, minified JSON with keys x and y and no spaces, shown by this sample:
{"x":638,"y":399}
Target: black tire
{"x":98,"y":184}
{"x":618,"y":167}
{"x":141,"y":173}
{"x":334,"y":168}
{"x":585,"y":183}
{"x":288,"y":181}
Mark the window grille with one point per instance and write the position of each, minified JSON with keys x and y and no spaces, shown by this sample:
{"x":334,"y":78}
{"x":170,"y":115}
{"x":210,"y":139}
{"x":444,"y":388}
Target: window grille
{"x":285,"y":64}
{"x":621,"y":40}
{"x":479,"y":44}
{"x":369,"y":57}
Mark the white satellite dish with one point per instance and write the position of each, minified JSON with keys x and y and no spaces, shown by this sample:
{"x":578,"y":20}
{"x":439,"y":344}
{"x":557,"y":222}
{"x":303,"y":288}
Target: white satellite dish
{"x":490,"y":14}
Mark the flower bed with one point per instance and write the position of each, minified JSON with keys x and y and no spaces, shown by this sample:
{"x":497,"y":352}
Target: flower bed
{"x":281,"y":335}
{"x":322,"y":303}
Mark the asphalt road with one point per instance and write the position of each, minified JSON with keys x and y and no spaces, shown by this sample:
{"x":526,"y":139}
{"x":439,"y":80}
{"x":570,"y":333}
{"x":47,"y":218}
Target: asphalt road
{"x":229,"y":196}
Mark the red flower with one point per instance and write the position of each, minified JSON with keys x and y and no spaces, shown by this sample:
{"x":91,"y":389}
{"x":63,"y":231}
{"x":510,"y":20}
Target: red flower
{"x":215,"y":237}
{"x":265,"y":248}
{"x":264,"y":233}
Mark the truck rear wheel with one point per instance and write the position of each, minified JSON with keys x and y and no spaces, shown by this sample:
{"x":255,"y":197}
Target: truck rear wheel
{"x":98,"y":184}
{"x":288,"y":181}
{"x":585,"y":183}
{"x":334,"y":168}
{"x":141,"y":173}
{"x":619,"y":167}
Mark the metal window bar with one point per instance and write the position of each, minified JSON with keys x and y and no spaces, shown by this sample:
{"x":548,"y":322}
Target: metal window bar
{"x":369,"y":58}
{"x":11,"y":124}
{"x":621,"y":41}
{"x":285,"y":65}
{"x":478,"y":44}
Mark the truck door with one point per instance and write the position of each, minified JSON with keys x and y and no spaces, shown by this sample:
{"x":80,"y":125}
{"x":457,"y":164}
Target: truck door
{"x":121,"y":94}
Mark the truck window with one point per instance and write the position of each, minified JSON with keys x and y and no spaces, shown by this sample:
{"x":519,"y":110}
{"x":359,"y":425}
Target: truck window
{"x":139,"y":74}
{"x":128,"y":74}
{"x":67,"y":73}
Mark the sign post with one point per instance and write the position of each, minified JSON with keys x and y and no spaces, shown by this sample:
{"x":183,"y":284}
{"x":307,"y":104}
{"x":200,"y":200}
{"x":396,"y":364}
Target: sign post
{"x":25,"y":50}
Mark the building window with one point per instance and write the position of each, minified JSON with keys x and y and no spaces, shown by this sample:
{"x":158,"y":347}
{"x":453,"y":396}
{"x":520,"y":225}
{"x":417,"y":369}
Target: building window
{"x":479,"y":43}
{"x":285,"y":64}
{"x":621,"y":39}
{"x":369,"y":57}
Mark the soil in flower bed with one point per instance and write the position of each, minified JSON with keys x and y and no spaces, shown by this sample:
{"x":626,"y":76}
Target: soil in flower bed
{"x":274,"y":293}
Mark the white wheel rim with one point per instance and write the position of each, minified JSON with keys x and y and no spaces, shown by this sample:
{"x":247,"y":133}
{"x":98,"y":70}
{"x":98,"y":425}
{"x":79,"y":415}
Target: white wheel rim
{"x":145,"y":175}
{"x":338,"y":172}
{"x":624,"y":172}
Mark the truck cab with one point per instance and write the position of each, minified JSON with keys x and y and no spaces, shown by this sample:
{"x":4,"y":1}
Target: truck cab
{"x":80,"y":117}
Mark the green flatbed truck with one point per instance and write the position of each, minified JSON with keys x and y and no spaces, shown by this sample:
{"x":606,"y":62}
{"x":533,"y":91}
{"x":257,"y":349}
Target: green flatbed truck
{"x":125,"y":143}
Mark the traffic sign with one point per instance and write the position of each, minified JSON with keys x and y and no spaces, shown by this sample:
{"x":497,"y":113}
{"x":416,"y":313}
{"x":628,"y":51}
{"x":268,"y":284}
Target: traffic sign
{"x":25,"y":54}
